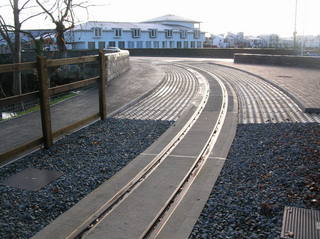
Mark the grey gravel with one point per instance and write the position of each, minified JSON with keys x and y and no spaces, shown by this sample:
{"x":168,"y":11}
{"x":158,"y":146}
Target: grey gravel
{"x":86,"y":158}
{"x":269,"y":166}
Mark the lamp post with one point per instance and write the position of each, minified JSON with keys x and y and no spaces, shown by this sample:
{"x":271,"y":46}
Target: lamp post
{"x":295,"y":26}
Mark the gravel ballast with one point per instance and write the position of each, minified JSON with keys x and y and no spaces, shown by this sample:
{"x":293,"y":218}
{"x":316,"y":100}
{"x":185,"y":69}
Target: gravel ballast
{"x":86,"y":158}
{"x":269,"y":166}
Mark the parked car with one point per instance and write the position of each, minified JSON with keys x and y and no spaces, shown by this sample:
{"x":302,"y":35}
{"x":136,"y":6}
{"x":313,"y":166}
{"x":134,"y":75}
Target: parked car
{"x":112,"y":49}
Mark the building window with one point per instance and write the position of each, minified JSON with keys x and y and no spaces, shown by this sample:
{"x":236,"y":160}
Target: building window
{"x":140,"y":44}
{"x":164,"y":44}
{"x":121,"y":44}
{"x":101,"y":44}
{"x":148,"y":44}
{"x":155,"y":44}
{"x":199,"y":44}
{"x":168,"y":33}
{"x":185,"y":44}
{"x":153,"y":33}
{"x":196,"y":34}
{"x":171,"y":44}
{"x":183,"y":34}
{"x":193,"y":45}
{"x":135,"y":33}
{"x":117,"y":32}
{"x":179,"y":45}
{"x":112,"y":43}
{"x":130,"y":44}
{"x":91,"y":45}
{"x":97,"y":32}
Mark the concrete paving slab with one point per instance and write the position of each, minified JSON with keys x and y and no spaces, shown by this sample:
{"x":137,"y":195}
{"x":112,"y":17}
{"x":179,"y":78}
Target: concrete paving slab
{"x":168,"y":136}
{"x":32,"y":179}
{"x":226,"y":136}
{"x":214,"y":103}
{"x":192,"y":144}
{"x":127,"y":221}
{"x":180,"y":224}
{"x":206,"y":121}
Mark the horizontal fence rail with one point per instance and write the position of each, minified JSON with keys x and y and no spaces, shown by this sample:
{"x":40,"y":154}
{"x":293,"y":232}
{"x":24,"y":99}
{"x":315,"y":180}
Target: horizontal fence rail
{"x":110,"y":66}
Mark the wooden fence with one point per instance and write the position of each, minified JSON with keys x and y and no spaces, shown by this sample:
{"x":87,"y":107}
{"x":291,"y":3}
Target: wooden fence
{"x":41,"y":66}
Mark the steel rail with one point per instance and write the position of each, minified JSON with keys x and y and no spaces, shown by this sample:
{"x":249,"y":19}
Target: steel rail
{"x":173,"y":202}
{"x":124,"y":192}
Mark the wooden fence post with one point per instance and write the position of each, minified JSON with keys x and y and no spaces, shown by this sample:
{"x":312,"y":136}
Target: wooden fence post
{"x":102,"y":85}
{"x":42,"y":69}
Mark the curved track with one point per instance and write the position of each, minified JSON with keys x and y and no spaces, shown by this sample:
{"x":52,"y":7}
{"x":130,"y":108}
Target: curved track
{"x":169,"y":99}
{"x":259,"y":101}
{"x":142,"y":206}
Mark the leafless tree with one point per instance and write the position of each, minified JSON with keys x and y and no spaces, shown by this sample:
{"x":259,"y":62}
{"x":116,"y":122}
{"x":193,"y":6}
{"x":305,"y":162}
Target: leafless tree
{"x":61,"y":13}
{"x":12,"y":35}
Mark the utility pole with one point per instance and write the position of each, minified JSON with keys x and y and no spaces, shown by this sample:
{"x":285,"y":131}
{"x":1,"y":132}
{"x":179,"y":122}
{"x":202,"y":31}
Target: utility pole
{"x":295,"y":26}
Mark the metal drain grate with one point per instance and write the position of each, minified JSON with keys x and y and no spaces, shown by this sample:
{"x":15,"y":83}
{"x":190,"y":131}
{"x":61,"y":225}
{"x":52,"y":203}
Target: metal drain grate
{"x":300,"y":223}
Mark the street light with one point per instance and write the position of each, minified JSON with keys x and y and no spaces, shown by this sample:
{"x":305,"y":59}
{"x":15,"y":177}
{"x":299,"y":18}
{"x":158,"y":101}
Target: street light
{"x":295,"y":26}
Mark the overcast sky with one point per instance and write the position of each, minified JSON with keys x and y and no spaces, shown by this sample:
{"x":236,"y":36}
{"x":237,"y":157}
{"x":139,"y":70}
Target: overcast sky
{"x":253,"y":17}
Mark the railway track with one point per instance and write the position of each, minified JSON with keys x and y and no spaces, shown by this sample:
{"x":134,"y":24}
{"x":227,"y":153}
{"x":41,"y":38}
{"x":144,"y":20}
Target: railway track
{"x":168,"y":101}
{"x":259,"y":101}
{"x":142,"y":206}
{"x":141,"y":193}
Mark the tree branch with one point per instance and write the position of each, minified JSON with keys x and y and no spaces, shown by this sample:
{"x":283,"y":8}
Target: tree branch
{"x":46,"y":11}
{"x":35,"y":15}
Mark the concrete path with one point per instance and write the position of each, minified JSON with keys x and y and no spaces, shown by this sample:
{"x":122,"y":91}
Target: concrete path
{"x":142,"y":77}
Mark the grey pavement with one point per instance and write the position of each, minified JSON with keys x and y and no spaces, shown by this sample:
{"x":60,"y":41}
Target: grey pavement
{"x":303,"y":84}
{"x":143,"y":76}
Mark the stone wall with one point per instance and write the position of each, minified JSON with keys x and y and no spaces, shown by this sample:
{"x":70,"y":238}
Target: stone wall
{"x":118,"y":64}
{"x":208,"y":52}
{"x":280,"y":60}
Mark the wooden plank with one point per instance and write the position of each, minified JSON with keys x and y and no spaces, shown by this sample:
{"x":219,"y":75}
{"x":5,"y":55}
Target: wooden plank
{"x":72,"y":86}
{"x":20,"y":149}
{"x":52,"y":91}
{"x":72,"y":60}
{"x":44,"y":101}
{"x":76,"y":125}
{"x":102,"y":85}
{"x":18,"y":98}
{"x":17,"y":67}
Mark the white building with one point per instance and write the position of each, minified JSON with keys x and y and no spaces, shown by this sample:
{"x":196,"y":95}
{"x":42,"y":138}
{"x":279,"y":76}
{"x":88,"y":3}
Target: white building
{"x":168,"y":31}
{"x":309,"y":41}
{"x":216,"y":41}
{"x":255,"y":42}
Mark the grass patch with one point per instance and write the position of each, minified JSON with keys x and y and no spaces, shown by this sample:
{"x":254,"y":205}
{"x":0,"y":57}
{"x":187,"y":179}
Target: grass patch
{"x":37,"y":107}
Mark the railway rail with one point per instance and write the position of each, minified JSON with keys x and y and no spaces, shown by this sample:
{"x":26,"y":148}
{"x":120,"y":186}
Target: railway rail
{"x":143,"y":205}
{"x":204,"y":124}
{"x":260,"y":102}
